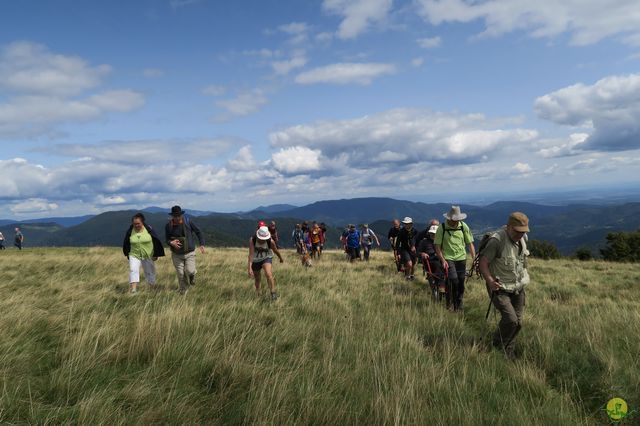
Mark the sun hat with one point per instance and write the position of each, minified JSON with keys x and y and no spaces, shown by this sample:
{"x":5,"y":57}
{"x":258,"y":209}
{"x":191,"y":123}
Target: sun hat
{"x":407,"y":220}
{"x":177,"y":211}
{"x":455,"y":214}
{"x":263,"y":233}
{"x":433,"y":229}
{"x":519,"y":221}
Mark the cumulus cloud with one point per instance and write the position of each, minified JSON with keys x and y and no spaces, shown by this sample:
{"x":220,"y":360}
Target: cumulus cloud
{"x":406,"y":135}
{"x":345,"y":73}
{"x":611,"y":107}
{"x":587,"y":21}
{"x":564,"y":147}
{"x":358,"y":15}
{"x":522,"y":168}
{"x":429,"y":43}
{"x":45,"y":89}
{"x":297,"y":159}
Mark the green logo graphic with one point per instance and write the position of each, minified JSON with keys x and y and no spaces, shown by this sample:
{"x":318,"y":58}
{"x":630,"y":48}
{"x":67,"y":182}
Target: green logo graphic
{"x":617,"y":409}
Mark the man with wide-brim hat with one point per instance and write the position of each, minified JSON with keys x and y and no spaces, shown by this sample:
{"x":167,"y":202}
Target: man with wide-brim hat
{"x":503,"y":265}
{"x":179,"y":233}
{"x":452,"y":240}
{"x":406,"y":247}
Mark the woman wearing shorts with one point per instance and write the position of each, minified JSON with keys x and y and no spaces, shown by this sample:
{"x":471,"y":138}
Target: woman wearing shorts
{"x":261,"y":250}
{"x":142,"y":247}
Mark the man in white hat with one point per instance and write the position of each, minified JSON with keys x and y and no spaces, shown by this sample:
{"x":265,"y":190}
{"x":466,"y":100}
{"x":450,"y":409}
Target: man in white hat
{"x":406,"y":247}
{"x":452,"y":240}
{"x":261,"y":250}
{"x":503,"y":264}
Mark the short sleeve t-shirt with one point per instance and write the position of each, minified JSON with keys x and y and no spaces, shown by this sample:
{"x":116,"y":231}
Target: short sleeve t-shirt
{"x":453,"y":241}
{"x":141,"y":244}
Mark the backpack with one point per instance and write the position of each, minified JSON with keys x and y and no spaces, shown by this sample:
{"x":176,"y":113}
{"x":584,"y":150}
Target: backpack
{"x":483,"y":245}
{"x":353,"y":239}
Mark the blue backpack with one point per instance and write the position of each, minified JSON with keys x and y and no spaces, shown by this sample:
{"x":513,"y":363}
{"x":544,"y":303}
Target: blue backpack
{"x":353,"y":239}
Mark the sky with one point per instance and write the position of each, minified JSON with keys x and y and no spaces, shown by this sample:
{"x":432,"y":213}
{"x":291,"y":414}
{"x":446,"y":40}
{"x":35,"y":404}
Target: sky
{"x":228,"y":105}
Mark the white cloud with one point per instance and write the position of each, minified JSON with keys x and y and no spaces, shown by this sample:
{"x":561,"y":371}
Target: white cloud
{"x":296,"y":160}
{"x":153,"y":72}
{"x":611,"y":107}
{"x":214,"y":90}
{"x":245,"y":103}
{"x":33,"y":205}
{"x":29,"y":68}
{"x":564,"y":148}
{"x":294,"y":28}
{"x":587,"y":21}
{"x":243,"y":161}
{"x":298,"y":60}
{"x":429,"y":43}
{"x":417,"y":62}
{"x":144,"y":151}
{"x":176,"y":4}
{"x":46,"y":90}
{"x":345,"y":73}
{"x":522,"y":168}
{"x":358,"y":15}
{"x":406,"y":135}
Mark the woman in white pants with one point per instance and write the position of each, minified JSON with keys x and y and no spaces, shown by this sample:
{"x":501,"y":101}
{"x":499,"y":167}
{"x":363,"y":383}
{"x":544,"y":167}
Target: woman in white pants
{"x":142,"y":247}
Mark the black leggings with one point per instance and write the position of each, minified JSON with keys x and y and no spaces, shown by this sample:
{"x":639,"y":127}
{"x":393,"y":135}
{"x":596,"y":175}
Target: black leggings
{"x":457,"y":273}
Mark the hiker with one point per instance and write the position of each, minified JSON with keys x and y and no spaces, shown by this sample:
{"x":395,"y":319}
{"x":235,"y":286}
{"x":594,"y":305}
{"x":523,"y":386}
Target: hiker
{"x":503,"y":265}
{"x":323,"y":235}
{"x":406,"y":247}
{"x":274,"y":232}
{"x":425,"y":233}
{"x":392,"y":236}
{"x":353,"y":243}
{"x":142,"y":247}
{"x":179,"y":235}
{"x":2,"y":247}
{"x":430,"y":262}
{"x":18,"y":239}
{"x":452,"y":239}
{"x":298,"y":239}
{"x":261,"y":250}
{"x":315,"y":236}
{"x":366,"y":240}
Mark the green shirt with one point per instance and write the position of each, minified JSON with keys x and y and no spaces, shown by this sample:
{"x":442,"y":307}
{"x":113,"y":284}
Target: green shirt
{"x":141,"y":244}
{"x":453,"y":241}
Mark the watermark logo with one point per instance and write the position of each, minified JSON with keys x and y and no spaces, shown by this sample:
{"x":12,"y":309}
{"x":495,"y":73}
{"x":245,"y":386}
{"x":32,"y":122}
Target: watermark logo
{"x":617,"y":409}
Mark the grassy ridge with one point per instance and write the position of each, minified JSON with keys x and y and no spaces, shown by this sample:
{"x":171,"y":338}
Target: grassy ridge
{"x":345,"y":344}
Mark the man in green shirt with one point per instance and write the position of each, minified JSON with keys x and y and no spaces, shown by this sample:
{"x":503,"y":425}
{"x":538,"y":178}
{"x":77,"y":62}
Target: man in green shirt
{"x":452,"y":239}
{"x":503,"y":265}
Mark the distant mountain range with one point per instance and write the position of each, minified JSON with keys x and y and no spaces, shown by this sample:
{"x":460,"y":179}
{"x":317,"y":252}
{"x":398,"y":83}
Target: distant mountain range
{"x":568,"y":227}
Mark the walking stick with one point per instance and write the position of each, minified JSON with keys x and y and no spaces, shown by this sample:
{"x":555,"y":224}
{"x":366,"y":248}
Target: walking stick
{"x":486,"y":317}
{"x":493,"y":293}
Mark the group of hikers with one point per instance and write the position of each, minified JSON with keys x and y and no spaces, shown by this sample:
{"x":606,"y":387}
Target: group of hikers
{"x":18,"y":239}
{"x":442,"y":249}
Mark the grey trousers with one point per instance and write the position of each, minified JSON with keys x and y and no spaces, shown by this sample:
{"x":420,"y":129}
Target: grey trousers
{"x":511,"y":308}
{"x":185,"y":265}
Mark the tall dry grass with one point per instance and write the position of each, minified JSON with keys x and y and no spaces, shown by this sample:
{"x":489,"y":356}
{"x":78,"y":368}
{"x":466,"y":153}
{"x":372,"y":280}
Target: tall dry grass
{"x":345,"y":344}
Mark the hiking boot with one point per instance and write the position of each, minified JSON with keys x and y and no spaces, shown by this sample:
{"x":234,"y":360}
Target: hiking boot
{"x":192,"y":280}
{"x":274,"y":296}
{"x":183,"y":291}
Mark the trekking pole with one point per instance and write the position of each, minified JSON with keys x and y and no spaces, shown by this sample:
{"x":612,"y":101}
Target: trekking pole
{"x":493,"y":293}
